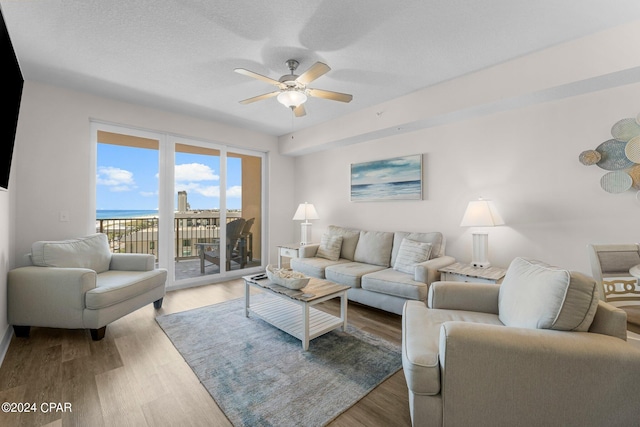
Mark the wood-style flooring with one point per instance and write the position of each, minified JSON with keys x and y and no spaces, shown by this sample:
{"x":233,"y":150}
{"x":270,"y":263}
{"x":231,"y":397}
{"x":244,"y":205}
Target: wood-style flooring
{"x":136,"y":377}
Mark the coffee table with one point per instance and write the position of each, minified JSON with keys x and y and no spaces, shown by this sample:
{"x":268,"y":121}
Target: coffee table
{"x":292,"y":310}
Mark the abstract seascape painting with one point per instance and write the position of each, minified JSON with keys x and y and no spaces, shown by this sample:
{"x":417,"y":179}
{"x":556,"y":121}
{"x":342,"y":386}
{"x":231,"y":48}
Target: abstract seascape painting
{"x":399,"y":178}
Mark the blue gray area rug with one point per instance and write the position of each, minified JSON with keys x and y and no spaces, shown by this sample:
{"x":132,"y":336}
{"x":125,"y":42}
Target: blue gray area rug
{"x":260,"y":376}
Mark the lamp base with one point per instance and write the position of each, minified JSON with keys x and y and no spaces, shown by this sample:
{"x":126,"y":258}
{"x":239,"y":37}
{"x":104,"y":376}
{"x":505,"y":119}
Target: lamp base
{"x":480,"y":250}
{"x":481,"y":264}
{"x":305,"y":233}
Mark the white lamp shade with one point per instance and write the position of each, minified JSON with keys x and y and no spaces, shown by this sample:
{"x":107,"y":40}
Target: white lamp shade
{"x":305,"y":212}
{"x":292,"y":98}
{"x":481,"y":213}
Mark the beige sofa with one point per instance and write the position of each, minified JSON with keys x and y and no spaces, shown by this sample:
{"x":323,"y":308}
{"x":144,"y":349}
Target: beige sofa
{"x":538,"y":350}
{"x":383,"y":269}
{"x":79,"y":283}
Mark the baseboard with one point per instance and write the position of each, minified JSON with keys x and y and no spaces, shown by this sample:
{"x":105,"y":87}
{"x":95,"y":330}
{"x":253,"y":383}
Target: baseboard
{"x":4,"y":344}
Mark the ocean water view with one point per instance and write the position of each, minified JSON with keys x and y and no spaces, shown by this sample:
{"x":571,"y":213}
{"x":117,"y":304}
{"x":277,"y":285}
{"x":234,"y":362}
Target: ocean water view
{"x":407,"y":190}
{"x":122,"y":213}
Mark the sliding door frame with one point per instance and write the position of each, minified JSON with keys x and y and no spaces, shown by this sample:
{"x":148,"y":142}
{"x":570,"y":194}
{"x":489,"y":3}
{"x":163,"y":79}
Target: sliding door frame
{"x":166,"y":199}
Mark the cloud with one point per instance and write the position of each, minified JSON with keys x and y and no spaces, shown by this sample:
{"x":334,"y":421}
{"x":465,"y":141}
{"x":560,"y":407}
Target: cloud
{"x":148,"y":193}
{"x":234,"y":192}
{"x":190,"y":177}
{"x":208,"y":190}
{"x":197,"y":188}
{"x":116,"y":179}
{"x":193,"y":172}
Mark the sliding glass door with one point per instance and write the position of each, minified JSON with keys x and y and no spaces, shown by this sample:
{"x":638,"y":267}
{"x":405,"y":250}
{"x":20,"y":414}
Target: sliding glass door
{"x":245,"y":199}
{"x":218,"y":219}
{"x":203,"y":203}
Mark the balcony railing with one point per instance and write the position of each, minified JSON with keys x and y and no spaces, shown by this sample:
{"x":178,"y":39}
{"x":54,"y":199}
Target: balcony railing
{"x":140,"y":235}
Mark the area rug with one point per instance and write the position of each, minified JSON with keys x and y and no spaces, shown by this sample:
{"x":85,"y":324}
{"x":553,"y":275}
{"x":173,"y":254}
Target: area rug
{"x":260,"y":376}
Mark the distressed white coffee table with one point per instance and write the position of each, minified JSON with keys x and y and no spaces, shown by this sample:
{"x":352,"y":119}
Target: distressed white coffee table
{"x":292,"y":310}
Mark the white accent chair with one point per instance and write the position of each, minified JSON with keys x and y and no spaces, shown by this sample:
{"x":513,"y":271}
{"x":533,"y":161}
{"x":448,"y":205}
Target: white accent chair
{"x":540,"y":349}
{"x":80,"y":284}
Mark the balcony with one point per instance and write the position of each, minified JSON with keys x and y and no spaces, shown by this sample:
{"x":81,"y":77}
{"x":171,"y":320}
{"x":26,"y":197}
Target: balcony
{"x":140,"y":236}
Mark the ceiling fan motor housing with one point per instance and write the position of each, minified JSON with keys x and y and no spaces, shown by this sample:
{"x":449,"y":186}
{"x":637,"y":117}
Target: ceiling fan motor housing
{"x":290,"y":79}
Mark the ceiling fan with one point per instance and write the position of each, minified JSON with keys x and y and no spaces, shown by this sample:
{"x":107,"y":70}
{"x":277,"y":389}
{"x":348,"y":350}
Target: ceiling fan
{"x":292,"y":89}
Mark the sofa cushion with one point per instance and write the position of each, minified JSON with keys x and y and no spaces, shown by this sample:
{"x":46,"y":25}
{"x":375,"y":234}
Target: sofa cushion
{"x":349,"y":273}
{"x":314,"y":267}
{"x":90,"y":252}
{"x":114,"y":287}
{"x":539,"y":296}
{"x":374,"y":247}
{"x":396,"y":283}
{"x":435,"y":238}
{"x":349,"y":240}
{"x":420,"y":342}
{"x":411,"y":253}
{"x":330,"y":247}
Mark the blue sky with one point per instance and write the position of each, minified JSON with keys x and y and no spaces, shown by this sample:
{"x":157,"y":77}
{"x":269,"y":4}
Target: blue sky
{"x":127,"y":178}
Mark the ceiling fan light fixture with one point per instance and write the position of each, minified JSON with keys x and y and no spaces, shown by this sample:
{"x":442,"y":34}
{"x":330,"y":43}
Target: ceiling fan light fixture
{"x":292,"y":98}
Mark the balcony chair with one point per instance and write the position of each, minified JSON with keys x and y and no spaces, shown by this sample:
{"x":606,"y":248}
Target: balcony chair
{"x":79,"y":283}
{"x":211,"y":252}
{"x":540,"y":349}
{"x":610,"y":265}
{"x":247,"y":237}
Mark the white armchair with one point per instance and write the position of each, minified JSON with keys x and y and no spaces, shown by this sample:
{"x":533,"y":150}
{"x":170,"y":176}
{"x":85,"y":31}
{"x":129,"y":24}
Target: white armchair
{"x":538,"y":350}
{"x":79,"y":283}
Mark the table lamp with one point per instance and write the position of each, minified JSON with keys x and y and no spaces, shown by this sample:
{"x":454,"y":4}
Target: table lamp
{"x":305,"y":212}
{"x":481,"y":213}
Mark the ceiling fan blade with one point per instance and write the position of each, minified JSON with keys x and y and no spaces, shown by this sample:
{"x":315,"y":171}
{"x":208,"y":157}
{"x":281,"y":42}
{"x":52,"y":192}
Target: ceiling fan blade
{"x":299,"y":111}
{"x":318,"y":69}
{"x":259,"y":77}
{"x":260,"y":97}
{"x":327,"y":94}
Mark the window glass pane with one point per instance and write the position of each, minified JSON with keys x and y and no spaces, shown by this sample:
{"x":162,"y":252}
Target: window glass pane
{"x":127,"y":192}
{"x":197,"y":215}
{"x":244,"y":192}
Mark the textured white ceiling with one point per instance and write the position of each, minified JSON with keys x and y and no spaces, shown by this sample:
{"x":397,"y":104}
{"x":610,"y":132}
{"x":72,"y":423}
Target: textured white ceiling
{"x":179,"y":55}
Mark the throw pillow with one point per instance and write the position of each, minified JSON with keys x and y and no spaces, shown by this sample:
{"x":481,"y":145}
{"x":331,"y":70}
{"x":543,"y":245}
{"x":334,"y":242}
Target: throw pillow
{"x":330,"y":247}
{"x":86,"y":252}
{"x":411,"y":252}
{"x":374,"y":247}
{"x":349,"y":240}
{"x":539,"y":296}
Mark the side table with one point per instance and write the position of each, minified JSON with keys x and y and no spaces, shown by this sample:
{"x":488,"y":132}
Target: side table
{"x":460,"y":272}
{"x":289,"y":250}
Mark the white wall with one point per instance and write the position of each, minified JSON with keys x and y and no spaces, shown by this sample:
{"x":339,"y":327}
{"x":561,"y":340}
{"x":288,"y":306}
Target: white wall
{"x":525,"y":160}
{"x":511,"y":134}
{"x":54,"y":161}
{"x":5,"y":240}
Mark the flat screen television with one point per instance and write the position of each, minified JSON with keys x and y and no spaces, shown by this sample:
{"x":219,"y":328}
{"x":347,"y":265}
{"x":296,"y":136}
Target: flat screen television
{"x":10,"y":97}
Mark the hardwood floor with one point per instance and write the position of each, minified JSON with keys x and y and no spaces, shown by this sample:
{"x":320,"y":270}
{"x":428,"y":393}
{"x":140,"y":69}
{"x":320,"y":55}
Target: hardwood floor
{"x":136,"y":377}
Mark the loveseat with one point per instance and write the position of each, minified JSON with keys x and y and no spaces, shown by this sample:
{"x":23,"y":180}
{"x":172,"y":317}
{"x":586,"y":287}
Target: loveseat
{"x":540,"y":349}
{"x":383,"y":269}
{"x":80,"y":284}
